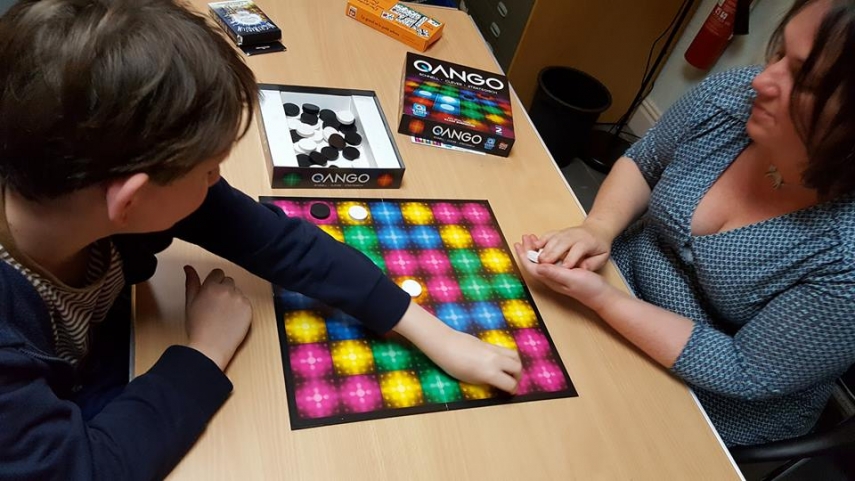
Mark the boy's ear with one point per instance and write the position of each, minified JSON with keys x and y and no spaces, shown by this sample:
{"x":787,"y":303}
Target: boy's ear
{"x":123,"y":195}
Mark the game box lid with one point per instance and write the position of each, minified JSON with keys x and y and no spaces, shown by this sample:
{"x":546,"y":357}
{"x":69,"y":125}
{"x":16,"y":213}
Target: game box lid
{"x":456,"y":104}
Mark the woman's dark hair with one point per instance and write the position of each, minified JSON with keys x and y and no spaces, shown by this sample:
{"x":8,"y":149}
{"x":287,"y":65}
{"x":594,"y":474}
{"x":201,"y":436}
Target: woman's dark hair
{"x":92,"y":90}
{"x":828,"y":75}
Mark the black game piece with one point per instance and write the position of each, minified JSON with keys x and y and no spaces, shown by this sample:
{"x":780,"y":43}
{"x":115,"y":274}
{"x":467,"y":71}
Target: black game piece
{"x":311,"y":109}
{"x":310,"y":119}
{"x":348,"y":128}
{"x":319,"y":211}
{"x":353,"y":138}
{"x":295,"y":137}
{"x":331,"y":153}
{"x":326,"y":115}
{"x":334,"y":123}
{"x":291,"y":110}
{"x":350,"y":153}
{"x":303,"y":160}
{"x":337,"y":141}
{"x":318,"y":158}
{"x":333,"y":166}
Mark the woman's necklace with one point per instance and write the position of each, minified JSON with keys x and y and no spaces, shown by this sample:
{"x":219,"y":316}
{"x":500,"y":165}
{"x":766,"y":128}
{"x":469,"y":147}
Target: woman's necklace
{"x":775,"y":177}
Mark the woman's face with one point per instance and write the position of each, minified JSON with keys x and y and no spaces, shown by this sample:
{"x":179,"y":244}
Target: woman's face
{"x":770,"y":123}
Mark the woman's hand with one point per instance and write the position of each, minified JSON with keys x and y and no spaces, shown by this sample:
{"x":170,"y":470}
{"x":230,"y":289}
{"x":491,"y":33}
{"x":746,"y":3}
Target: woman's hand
{"x":587,"y":287}
{"x":583,"y":246}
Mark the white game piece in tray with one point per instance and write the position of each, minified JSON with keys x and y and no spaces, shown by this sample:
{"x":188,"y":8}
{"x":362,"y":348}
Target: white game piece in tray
{"x":328,"y":132}
{"x":305,"y":130}
{"x":307,"y":145}
{"x":345,"y":117}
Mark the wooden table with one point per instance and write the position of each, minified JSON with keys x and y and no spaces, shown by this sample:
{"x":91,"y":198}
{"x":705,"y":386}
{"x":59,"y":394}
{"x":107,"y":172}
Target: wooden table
{"x":632,"y":420}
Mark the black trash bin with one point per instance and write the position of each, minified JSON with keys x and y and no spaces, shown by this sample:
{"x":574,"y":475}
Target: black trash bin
{"x":565,"y":108}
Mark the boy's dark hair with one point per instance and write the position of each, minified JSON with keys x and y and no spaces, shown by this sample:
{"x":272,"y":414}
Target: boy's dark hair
{"x":92,"y":90}
{"x":828,"y":75}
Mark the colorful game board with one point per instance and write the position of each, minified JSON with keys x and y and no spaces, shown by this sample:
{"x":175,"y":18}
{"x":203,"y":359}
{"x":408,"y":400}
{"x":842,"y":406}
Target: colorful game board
{"x":448,"y":104}
{"x":336,"y":371}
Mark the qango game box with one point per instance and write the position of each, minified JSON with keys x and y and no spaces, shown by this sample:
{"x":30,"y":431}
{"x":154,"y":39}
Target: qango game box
{"x":458,"y":105}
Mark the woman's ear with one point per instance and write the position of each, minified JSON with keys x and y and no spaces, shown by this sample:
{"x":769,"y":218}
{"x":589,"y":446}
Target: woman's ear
{"x":122,"y":197}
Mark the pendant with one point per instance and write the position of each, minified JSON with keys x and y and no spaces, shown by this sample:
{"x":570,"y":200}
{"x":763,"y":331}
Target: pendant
{"x":775,"y":176}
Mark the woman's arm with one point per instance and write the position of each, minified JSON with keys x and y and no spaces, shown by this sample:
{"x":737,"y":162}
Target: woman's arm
{"x":803,"y":336}
{"x":623,"y":197}
{"x":661,"y":334}
{"x":626,"y":192}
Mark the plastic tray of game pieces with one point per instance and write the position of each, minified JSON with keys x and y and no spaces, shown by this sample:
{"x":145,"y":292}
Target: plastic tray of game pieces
{"x":318,"y":137}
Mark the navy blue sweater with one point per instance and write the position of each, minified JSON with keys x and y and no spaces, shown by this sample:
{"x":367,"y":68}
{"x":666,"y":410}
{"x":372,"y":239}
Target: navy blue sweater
{"x":153,"y":420}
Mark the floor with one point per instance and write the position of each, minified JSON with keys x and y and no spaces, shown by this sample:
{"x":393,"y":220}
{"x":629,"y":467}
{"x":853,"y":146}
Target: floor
{"x":584,"y":181}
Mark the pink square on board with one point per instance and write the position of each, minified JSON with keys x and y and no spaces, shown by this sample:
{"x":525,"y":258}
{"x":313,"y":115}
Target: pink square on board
{"x":401,"y":263}
{"x":547,"y":375}
{"x":361,"y":394}
{"x":444,"y":289}
{"x":446,"y":213}
{"x":476,"y":213}
{"x":531,"y":343}
{"x":310,"y":360}
{"x":316,"y":399}
{"x":485,"y":236}
{"x":434,"y":262}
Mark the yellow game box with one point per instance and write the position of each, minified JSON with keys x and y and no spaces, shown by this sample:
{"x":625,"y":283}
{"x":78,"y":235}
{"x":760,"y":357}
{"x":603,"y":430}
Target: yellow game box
{"x":397,"y":20}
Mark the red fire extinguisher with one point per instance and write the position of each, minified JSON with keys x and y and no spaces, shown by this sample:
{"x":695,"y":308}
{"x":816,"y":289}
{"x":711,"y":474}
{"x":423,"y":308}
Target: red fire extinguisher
{"x":728,"y":18}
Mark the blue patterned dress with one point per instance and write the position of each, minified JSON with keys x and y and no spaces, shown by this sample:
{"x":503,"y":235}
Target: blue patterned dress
{"x":773,"y":302}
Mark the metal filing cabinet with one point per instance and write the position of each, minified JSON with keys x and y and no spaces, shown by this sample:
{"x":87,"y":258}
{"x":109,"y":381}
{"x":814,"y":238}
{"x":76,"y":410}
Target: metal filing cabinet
{"x":502,"y":23}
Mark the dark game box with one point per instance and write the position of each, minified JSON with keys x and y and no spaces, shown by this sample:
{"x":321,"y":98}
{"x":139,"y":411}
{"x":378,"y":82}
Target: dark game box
{"x":244,"y":22}
{"x":457,"y":105}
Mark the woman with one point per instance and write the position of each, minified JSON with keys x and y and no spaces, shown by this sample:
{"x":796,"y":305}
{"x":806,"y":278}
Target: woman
{"x":744,"y":263}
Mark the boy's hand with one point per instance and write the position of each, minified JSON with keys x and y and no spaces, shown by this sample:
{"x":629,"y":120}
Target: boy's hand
{"x":462,"y":356}
{"x":471,"y":360}
{"x":218,"y":315}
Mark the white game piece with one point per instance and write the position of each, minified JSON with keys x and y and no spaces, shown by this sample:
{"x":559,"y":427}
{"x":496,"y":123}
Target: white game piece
{"x":345,"y":117}
{"x":293,"y":123}
{"x":307,"y":145}
{"x":298,"y":149}
{"x":318,"y":137}
{"x":328,"y":132}
{"x":357,"y":212}
{"x":534,"y":256}
{"x":413,"y":288}
{"x":305,"y":130}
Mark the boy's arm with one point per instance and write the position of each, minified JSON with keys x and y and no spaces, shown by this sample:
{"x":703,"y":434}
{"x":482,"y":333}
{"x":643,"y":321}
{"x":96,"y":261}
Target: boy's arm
{"x":294,"y":254}
{"x":140,"y":435}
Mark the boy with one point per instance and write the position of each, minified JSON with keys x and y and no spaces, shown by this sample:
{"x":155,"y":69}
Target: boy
{"x":114,"y":118}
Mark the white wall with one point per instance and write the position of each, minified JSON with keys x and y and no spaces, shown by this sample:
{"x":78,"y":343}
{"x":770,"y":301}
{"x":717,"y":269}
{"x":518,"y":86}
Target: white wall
{"x":677,"y":76}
